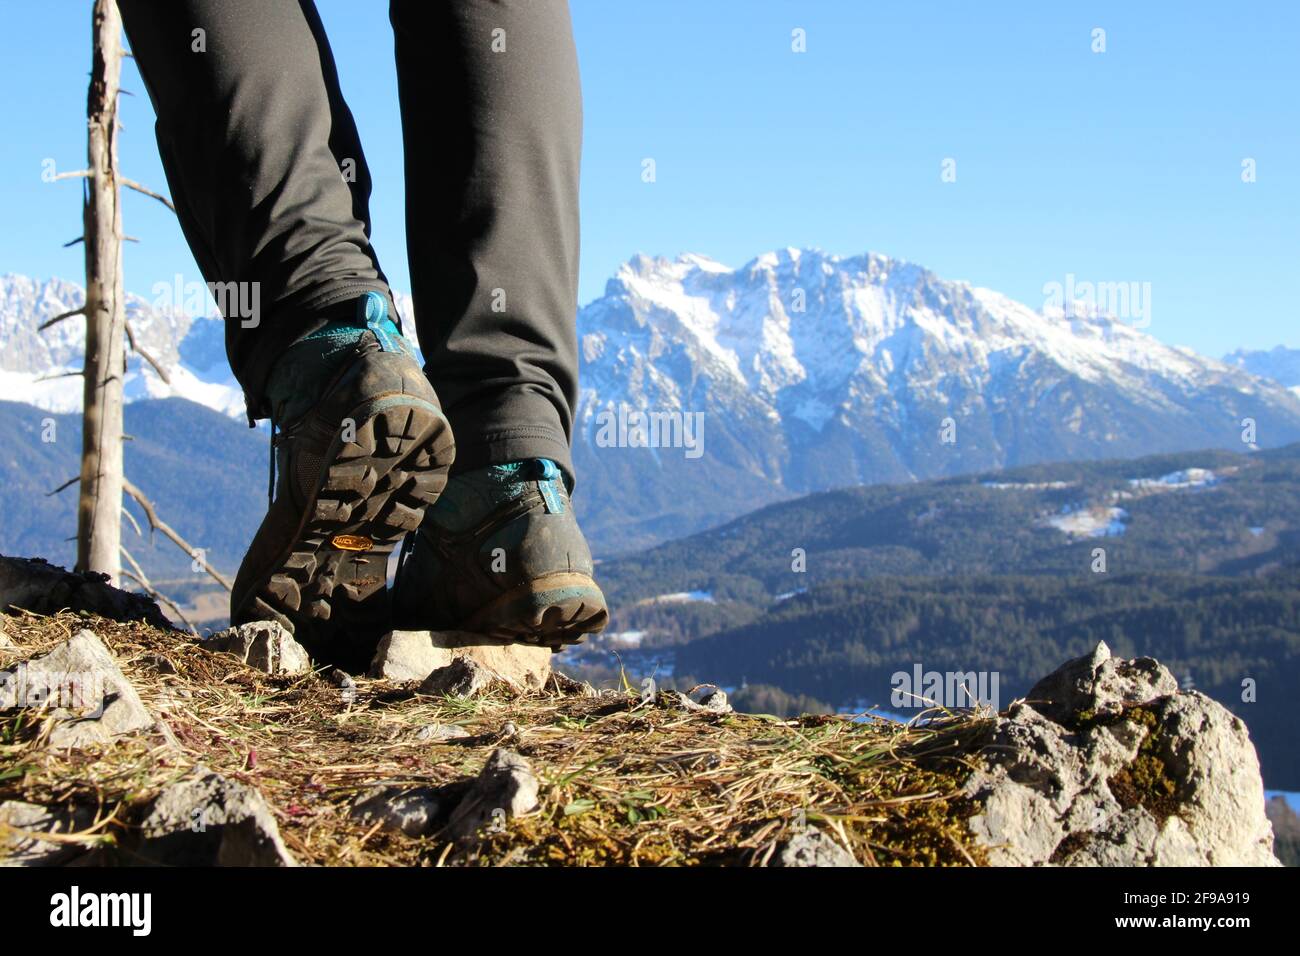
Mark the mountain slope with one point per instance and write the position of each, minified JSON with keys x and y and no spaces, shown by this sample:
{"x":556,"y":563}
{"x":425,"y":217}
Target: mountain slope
{"x":1279,"y":363}
{"x":1193,"y":558}
{"x":205,"y":472}
{"x":1235,"y":639}
{"x":1201,"y":512}
{"x":813,"y":371}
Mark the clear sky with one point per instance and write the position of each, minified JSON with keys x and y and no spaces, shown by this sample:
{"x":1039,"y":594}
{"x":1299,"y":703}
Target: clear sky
{"x":1120,"y":166}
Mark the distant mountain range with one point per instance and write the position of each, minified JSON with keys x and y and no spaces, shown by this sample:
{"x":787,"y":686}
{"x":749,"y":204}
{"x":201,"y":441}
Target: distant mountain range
{"x":1279,"y":363}
{"x":33,"y":362}
{"x":709,"y":391}
{"x":814,"y":371}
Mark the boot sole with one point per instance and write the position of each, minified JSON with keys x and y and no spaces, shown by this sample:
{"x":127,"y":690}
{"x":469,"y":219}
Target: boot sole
{"x":371,"y":492}
{"x":552,"y":611}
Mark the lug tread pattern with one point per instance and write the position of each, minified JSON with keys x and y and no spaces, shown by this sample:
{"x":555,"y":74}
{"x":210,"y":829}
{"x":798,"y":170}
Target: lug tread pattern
{"x":377,"y":487}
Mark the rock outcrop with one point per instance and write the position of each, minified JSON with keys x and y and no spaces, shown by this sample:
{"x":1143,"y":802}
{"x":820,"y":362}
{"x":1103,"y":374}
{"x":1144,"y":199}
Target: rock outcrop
{"x":1107,"y":763}
{"x":463,"y":677}
{"x":505,"y":788}
{"x":208,"y":820}
{"x":82,"y":688}
{"x":414,"y":655}
{"x":264,"y":645}
{"x":812,"y":848}
{"x":34,"y":584}
{"x":413,"y":811}
{"x":20,"y":826}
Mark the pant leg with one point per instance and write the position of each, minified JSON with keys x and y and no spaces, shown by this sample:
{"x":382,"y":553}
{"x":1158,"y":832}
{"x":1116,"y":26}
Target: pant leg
{"x":257,"y":145}
{"x":492,"y":128}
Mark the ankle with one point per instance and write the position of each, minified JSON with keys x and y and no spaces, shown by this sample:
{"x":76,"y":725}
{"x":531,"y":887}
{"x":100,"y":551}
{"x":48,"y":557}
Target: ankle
{"x":302,"y":374}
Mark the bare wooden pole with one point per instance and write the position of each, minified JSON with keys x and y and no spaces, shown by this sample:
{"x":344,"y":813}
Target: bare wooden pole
{"x":99,"y":526}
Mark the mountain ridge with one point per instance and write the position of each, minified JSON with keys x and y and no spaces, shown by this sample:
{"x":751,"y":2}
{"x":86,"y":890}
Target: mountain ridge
{"x":813,"y":371}
{"x":796,"y":372}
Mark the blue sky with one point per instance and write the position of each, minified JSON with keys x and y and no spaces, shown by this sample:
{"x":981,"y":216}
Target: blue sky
{"x":1115,"y":166}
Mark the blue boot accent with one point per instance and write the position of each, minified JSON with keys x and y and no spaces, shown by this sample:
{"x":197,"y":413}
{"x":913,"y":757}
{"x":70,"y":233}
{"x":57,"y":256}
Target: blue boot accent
{"x":547,"y":485}
{"x":372,"y":308}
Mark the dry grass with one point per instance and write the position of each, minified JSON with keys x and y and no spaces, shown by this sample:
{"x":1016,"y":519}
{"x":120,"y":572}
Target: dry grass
{"x":624,"y":781}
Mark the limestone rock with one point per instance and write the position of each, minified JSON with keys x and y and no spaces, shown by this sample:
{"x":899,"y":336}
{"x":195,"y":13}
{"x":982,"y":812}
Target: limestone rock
{"x":264,"y":645}
{"x":87,"y":693}
{"x":414,"y":655}
{"x":18,"y":849}
{"x":1100,"y":683}
{"x":1107,"y":763}
{"x":208,"y":820}
{"x":413,"y":812}
{"x":1207,"y":749}
{"x":505,"y":788}
{"x":437,"y":733}
{"x":407,"y":655}
{"x":812,"y":848}
{"x":710,"y":697}
{"x":463,"y":677}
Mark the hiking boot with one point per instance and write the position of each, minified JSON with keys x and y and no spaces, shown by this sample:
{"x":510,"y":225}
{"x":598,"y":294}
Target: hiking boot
{"x":362,"y":450}
{"x":501,"y":554}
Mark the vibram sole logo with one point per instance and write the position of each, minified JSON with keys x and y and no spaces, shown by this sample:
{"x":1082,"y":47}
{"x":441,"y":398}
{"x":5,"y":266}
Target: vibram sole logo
{"x":352,"y":542}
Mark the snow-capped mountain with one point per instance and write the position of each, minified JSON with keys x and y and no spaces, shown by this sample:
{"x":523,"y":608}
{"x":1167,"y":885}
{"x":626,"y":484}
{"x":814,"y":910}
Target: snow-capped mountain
{"x":709,"y":391}
{"x":34,"y":363}
{"x":813,"y":371}
{"x":191,"y":347}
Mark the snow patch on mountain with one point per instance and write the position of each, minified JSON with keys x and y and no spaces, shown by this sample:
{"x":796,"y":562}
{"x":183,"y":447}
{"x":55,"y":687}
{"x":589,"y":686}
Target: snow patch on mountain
{"x":1090,"y":522}
{"x":42,"y":367}
{"x":1186,"y":478}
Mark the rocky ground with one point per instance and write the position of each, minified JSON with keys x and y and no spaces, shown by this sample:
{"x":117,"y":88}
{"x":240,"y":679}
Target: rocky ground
{"x":123,"y":741}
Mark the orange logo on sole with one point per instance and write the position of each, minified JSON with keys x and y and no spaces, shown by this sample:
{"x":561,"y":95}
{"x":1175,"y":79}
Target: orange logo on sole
{"x":352,"y":542}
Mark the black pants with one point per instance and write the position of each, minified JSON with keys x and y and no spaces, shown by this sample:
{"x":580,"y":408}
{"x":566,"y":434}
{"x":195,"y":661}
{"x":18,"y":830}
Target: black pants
{"x":271,"y":186}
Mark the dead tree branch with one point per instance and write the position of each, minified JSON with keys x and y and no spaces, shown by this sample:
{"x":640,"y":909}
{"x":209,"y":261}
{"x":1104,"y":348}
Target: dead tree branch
{"x":132,"y":184}
{"x":139,"y":577}
{"x":71,"y":481}
{"x":134,"y":524}
{"x":50,"y":378}
{"x":158,"y":524}
{"x":135,"y":347}
{"x":80,"y":310}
